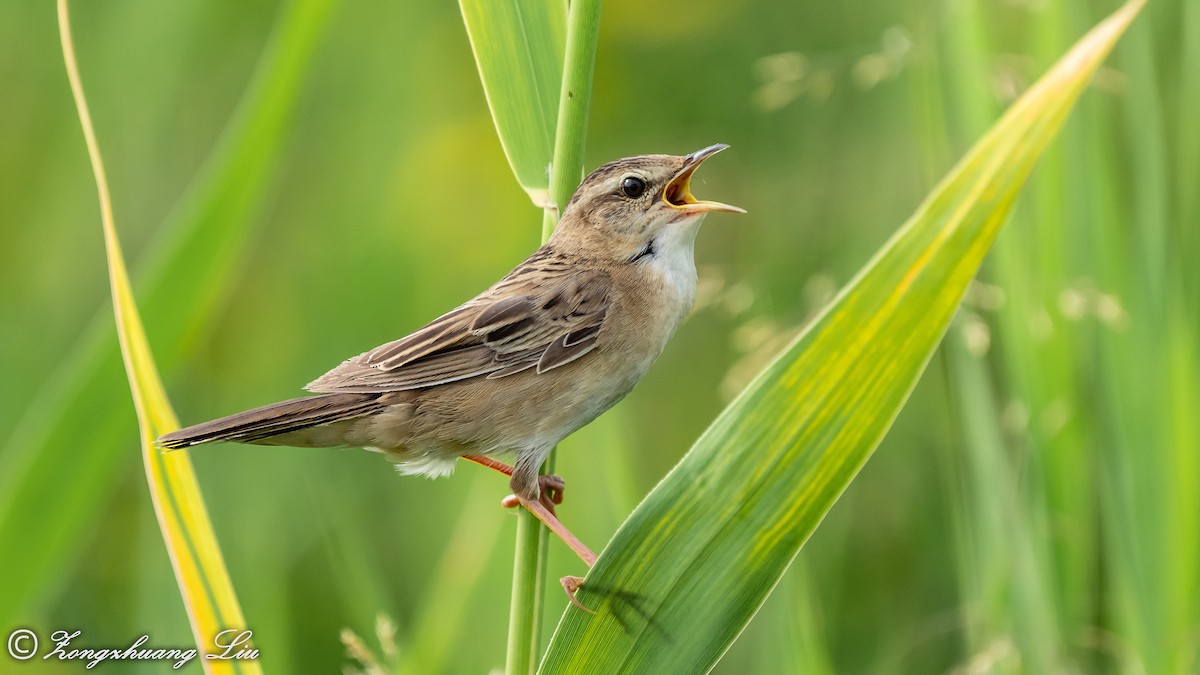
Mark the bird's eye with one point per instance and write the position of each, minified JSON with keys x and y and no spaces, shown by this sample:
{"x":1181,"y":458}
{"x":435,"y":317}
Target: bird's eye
{"x":633,"y":187}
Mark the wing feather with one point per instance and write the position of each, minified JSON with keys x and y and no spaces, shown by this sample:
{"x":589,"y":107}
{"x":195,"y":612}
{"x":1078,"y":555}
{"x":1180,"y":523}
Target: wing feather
{"x":537,"y":317}
{"x":568,"y":348}
{"x":443,"y":333}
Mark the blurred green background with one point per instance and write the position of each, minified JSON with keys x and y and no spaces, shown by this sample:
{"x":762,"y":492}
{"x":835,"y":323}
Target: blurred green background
{"x":1035,"y":508}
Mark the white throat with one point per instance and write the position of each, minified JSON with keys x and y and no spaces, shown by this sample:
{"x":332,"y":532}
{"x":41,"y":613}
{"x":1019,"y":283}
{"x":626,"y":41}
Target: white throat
{"x":675,"y":262}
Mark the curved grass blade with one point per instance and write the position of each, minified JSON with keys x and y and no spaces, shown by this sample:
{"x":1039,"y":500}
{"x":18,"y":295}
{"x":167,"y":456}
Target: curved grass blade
{"x":186,"y":272}
{"x":688,"y":570}
{"x":208,"y":594}
{"x":519,"y":48}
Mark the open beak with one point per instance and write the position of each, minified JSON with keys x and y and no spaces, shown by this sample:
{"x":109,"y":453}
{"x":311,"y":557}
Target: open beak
{"x":678,"y":192}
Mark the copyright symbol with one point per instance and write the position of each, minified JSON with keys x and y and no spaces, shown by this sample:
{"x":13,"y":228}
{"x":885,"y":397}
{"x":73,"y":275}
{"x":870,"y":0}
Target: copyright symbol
{"x":22,"y":644}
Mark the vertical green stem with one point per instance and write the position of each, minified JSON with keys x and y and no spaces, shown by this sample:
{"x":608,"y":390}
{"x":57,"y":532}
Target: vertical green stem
{"x":574,"y":99}
{"x":529,"y":583}
{"x":529,"y":565}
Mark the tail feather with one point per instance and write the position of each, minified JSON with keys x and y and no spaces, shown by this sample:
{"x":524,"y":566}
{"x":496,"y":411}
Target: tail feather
{"x":275,"y":419}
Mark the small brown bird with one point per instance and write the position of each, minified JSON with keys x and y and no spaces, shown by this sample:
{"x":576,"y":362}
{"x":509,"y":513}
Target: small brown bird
{"x":524,"y":364}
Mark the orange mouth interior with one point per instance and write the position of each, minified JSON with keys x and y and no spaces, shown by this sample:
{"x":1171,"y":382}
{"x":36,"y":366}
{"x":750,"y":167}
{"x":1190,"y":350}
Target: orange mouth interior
{"x":679,"y":191}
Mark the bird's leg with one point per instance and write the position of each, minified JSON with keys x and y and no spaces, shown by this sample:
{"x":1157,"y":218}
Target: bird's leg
{"x":541,"y":506}
{"x":569,"y":584}
{"x":551,"y":521}
{"x":550,"y":487}
{"x":524,"y":484}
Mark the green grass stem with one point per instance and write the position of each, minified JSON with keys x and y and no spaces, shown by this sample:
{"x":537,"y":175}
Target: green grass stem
{"x":529,"y":564}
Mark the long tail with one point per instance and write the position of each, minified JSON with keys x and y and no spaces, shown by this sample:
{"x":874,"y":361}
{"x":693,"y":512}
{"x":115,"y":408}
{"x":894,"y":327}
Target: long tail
{"x":275,"y":419}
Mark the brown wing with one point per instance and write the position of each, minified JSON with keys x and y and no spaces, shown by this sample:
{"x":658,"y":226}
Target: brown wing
{"x":537,"y":317}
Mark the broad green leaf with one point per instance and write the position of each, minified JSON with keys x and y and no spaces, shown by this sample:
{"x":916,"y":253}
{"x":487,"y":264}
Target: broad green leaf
{"x":208,"y":595}
{"x":519,"y":48}
{"x":685,"y":574}
{"x":184,"y":276}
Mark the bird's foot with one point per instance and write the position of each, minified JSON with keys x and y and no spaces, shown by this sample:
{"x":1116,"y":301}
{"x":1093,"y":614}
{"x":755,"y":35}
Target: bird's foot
{"x":570,"y":585}
{"x":550,"y":493}
{"x":550,"y":487}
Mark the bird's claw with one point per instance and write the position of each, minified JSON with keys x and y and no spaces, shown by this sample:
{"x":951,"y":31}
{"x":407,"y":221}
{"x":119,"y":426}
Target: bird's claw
{"x":552,"y":486}
{"x":570,"y":585}
{"x":550,"y":493}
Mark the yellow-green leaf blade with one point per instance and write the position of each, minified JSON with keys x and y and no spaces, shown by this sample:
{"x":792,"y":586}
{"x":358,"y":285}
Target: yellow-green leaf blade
{"x":203,"y":580}
{"x":691,"y":566}
{"x":518,"y":48}
{"x":185,"y":272}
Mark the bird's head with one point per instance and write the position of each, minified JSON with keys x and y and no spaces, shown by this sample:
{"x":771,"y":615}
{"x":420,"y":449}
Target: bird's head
{"x":637,"y":207}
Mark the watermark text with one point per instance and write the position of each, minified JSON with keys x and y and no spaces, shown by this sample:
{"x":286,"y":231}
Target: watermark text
{"x":228,"y":645}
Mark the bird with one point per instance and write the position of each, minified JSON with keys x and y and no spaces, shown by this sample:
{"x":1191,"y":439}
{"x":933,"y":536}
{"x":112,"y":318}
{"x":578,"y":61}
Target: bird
{"x":513,"y":371}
